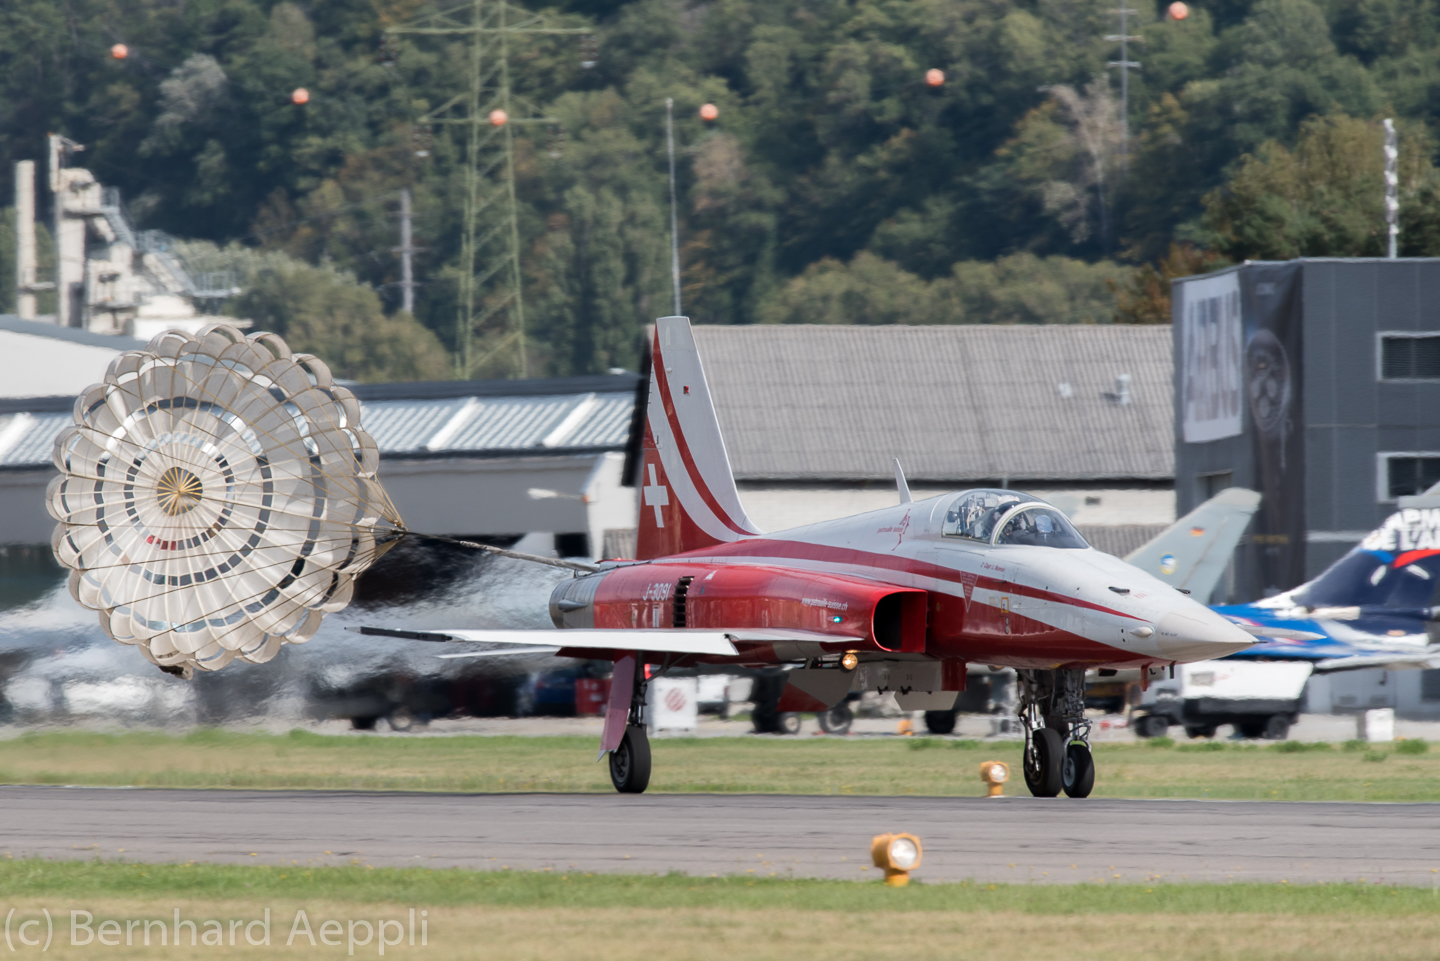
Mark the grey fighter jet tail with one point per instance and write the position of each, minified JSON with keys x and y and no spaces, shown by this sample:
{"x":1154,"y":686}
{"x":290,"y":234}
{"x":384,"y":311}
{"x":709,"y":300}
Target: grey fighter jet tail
{"x":1192,"y":553}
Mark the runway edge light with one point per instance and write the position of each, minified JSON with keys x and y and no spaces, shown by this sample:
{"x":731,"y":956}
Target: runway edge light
{"x":995,"y":774}
{"x":897,"y":854}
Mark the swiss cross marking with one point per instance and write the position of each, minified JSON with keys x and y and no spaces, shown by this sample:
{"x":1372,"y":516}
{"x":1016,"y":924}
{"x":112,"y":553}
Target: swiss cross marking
{"x":656,"y":496}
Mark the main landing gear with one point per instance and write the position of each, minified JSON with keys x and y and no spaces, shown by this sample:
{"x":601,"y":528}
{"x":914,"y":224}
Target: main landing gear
{"x":1057,"y":734}
{"x":630,"y":762}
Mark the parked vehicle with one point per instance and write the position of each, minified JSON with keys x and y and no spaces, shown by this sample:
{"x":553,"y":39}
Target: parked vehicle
{"x":1261,"y":699}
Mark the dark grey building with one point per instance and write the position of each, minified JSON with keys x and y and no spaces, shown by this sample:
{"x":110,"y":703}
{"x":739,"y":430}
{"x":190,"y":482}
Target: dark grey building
{"x":1317,"y":383}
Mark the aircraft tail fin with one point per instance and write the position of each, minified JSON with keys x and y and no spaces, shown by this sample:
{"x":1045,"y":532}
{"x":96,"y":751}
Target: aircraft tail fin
{"x":688,"y":499}
{"x":1192,"y":553}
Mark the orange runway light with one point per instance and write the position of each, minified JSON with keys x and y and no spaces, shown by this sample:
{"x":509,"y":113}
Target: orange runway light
{"x":934,"y":77}
{"x":498,"y":118}
{"x":995,"y":774}
{"x":300,"y":97}
{"x":897,"y":854}
{"x":709,"y":112}
{"x":119,"y":51}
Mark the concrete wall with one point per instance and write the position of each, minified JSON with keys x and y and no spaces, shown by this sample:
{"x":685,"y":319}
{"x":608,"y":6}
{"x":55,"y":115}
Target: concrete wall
{"x":1350,"y":414}
{"x":491,"y":496}
{"x":23,"y":518}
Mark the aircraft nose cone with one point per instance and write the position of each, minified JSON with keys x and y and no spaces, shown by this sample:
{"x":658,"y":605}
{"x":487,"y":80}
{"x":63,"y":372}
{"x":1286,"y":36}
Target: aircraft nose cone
{"x":1199,"y":634}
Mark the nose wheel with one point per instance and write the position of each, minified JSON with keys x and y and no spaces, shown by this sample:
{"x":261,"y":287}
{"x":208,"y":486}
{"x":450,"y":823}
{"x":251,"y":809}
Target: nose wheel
{"x":1057,"y":733}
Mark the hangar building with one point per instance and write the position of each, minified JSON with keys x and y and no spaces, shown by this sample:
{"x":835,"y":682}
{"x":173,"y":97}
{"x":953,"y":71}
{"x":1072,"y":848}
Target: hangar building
{"x":1317,"y":383}
{"x":812,"y":417}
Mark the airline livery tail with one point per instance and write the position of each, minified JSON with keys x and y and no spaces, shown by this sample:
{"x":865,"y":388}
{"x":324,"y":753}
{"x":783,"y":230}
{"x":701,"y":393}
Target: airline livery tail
{"x":688,"y":499}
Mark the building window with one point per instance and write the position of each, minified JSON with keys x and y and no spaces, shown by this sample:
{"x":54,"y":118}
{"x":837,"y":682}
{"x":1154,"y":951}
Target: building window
{"x":1409,"y":473}
{"x":1430,"y":685}
{"x":1410,"y":356}
{"x":1208,"y":485}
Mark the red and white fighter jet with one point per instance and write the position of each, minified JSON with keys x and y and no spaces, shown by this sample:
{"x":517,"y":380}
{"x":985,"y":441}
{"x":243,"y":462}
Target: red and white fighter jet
{"x":899,"y":599}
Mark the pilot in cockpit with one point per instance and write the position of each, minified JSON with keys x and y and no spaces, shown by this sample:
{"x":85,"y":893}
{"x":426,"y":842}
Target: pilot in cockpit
{"x":974,"y":515}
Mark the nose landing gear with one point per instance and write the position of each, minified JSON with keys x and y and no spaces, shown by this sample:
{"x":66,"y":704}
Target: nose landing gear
{"x":1057,"y":734}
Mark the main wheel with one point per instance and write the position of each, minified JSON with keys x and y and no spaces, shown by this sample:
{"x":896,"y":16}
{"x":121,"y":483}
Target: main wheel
{"x":837,"y":720}
{"x":1277,"y":727}
{"x":1043,"y":759}
{"x":1151,"y":725}
{"x":940,"y":722}
{"x":1077,"y":775}
{"x":630,"y":762}
{"x":787,"y":722}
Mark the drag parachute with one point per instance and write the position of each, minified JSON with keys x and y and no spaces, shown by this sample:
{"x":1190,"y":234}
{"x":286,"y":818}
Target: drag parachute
{"x":217,"y":496}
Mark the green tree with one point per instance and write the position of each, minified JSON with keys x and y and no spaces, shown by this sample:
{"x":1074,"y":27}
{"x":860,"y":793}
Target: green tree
{"x":1322,"y":199}
{"x":1019,"y":289}
{"x":322,"y":311}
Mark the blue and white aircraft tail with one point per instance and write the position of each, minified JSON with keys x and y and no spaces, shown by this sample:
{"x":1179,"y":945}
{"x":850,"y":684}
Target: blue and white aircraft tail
{"x":1375,"y":607}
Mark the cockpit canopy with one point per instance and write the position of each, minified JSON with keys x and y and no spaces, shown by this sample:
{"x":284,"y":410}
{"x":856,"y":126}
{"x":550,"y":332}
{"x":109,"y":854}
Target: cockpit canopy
{"x":1020,"y":519}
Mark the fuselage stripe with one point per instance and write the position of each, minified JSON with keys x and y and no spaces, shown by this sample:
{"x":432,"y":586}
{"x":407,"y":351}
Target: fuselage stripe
{"x":798,"y":550}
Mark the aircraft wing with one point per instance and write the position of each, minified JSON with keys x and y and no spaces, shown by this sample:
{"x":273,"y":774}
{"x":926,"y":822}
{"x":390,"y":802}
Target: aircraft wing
{"x":1398,"y":661}
{"x":1191,"y":554}
{"x":655,"y":640}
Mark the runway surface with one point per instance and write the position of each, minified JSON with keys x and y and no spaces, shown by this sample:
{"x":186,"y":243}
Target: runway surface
{"x":1010,"y":839}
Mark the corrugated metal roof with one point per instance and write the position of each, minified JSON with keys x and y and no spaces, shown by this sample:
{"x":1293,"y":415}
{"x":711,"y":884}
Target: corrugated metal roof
{"x":809,"y":403}
{"x":505,"y":423}
{"x":956,"y":404}
{"x":609,"y":419}
{"x":405,"y":425}
{"x":27,"y":439}
{"x":454,"y":425}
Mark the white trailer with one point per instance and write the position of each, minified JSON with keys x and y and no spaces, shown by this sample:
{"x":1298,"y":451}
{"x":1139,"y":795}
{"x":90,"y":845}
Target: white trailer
{"x":1260,"y":698}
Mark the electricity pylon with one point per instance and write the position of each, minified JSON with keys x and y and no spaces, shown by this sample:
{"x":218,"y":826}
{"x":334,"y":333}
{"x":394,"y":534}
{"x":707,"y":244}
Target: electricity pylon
{"x":486,"y":110}
{"x":1126,"y":65}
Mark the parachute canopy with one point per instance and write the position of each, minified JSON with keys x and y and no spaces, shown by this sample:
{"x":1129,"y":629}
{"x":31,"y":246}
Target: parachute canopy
{"x":216,"y":497}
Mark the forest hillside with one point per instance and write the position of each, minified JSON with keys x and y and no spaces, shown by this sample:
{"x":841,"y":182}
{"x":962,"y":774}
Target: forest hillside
{"x":836,"y":184}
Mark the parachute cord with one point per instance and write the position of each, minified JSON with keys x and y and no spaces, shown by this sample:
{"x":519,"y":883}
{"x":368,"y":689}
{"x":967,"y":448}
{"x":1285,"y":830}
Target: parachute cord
{"x":502,"y":552}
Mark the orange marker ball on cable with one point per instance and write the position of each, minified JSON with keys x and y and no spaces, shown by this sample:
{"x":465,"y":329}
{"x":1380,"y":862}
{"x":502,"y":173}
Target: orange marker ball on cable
{"x":934,"y":77}
{"x":498,"y":118}
{"x":300,"y":96}
{"x":709,"y":112}
{"x":119,"y":51}
{"x":1178,"y":10}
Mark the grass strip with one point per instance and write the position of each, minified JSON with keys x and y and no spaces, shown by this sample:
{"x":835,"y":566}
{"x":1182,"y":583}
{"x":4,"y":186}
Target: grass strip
{"x":1161,"y":768}
{"x":34,"y":880}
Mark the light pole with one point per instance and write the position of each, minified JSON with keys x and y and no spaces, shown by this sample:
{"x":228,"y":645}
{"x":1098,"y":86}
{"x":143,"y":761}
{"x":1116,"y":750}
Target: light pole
{"x":674,"y":220}
{"x":1392,"y":184}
